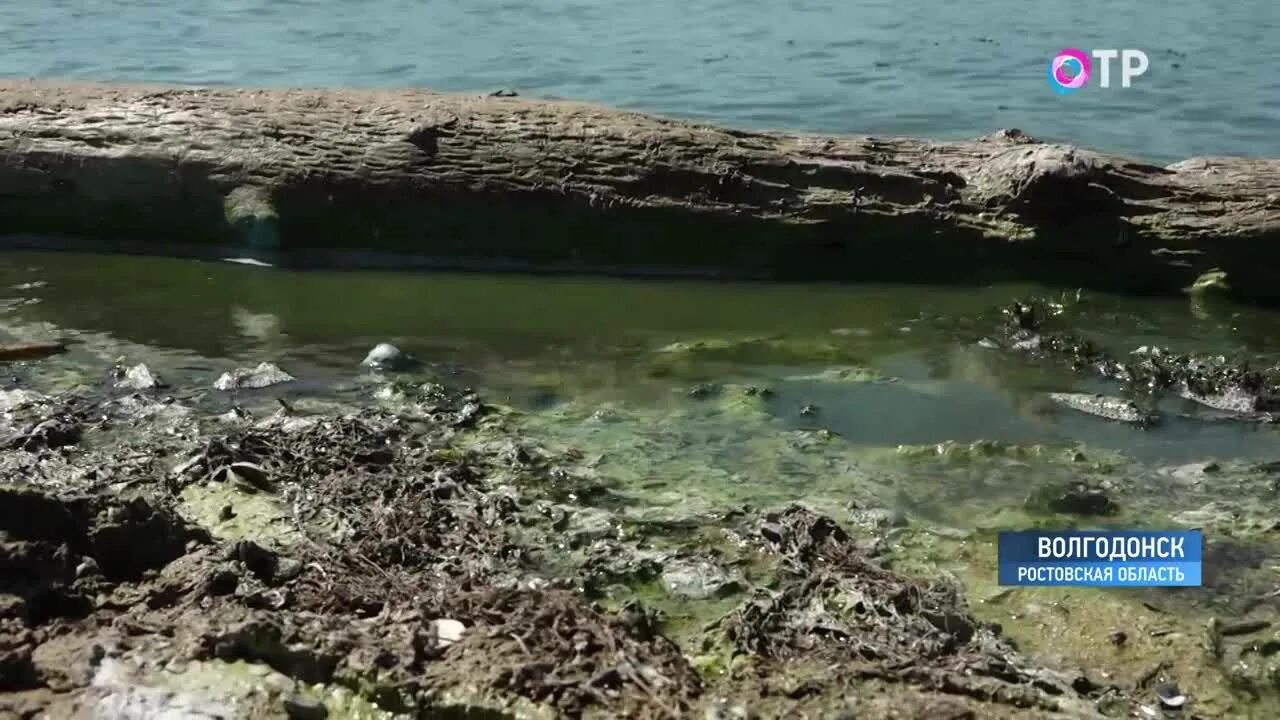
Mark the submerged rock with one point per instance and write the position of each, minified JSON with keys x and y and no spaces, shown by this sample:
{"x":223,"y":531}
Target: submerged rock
{"x":1104,"y":406}
{"x":264,"y":375}
{"x":1075,"y":498}
{"x":875,"y":519}
{"x":52,"y":433}
{"x":1210,"y":514}
{"x":16,"y":398}
{"x":848,"y":374}
{"x":1214,"y":280}
{"x":698,"y":579}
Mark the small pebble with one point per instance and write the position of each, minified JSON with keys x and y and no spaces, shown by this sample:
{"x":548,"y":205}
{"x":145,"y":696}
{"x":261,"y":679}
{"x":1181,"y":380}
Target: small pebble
{"x":304,"y":708}
{"x":1118,"y":637}
{"x":701,"y":391}
{"x":447,"y":631}
{"x":1170,"y":696}
{"x":87,"y":567}
{"x":809,"y":410}
{"x":226,"y":513}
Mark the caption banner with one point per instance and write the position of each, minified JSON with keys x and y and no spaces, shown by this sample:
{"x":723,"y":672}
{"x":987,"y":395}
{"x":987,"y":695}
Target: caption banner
{"x":1102,"y":558}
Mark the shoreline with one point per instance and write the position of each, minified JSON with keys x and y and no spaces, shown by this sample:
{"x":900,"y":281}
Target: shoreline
{"x":512,"y":184}
{"x":422,"y":549}
{"x":421,"y":555}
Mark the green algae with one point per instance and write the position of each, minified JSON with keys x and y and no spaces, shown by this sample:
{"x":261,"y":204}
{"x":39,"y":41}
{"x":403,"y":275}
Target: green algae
{"x":964,"y":493}
{"x":262,"y":691}
{"x":757,"y":350}
{"x":1214,"y":280}
{"x":843,"y":374}
{"x":672,"y":461}
{"x":229,"y":513}
{"x":711,"y":358}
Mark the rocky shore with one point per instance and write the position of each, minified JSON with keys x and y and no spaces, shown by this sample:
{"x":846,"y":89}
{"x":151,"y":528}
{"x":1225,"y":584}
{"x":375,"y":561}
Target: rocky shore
{"x":416,"y":558}
{"x":507,"y":183}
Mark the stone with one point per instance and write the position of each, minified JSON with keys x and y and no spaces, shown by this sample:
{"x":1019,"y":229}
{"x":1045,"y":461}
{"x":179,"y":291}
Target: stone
{"x":138,"y":377}
{"x":874,"y":519}
{"x":698,"y":579}
{"x":236,"y":414}
{"x":1170,"y":696}
{"x":701,"y":391}
{"x":1074,"y":498}
{"x":385,"y":356}
{"x":13,"y":399}
{"x":446,"y":631}
{"x":298,"y":707}
{"x":1103,"y":406}
{"x":1213,"y":513}
{"x":246,"y":475}
{"x":583,"y":523}
{"x":264,"y":375}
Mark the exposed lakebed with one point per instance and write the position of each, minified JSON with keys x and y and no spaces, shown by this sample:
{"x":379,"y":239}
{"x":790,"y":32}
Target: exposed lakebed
{"x":610,"y":497}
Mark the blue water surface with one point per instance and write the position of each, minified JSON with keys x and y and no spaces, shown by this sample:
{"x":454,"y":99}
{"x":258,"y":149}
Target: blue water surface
{"x":912,"y":67}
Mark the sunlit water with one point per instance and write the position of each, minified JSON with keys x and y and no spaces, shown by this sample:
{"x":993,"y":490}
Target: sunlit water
{"x":565,"y":345}
{"x":867,"y":66}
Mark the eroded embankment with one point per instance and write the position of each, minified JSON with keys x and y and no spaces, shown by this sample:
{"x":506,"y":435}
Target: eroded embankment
{"x":504,"y":182}
{"x":421,"y":559}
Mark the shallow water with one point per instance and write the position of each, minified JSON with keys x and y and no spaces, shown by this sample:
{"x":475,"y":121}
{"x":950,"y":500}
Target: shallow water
{"x":547,"y":344}
{"x":884,"y":411}
{"x":870,"y":66}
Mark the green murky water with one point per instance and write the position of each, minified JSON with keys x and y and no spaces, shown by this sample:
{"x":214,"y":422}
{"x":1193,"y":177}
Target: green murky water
{"x":681,"y":393}
{"x":877,"y":404}
{"x":618,"y":363}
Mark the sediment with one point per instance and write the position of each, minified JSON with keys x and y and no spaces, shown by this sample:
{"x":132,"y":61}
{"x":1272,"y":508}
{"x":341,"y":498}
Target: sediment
{"x":505,"y":182}
{"x":419,"y":567}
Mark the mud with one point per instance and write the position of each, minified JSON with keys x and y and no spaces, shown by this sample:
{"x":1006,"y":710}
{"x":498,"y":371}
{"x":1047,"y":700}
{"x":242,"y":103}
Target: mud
{"x":436,"y":564}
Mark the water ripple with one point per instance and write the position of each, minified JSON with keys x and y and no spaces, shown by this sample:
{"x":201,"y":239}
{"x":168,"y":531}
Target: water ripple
{"x":862,"y":66}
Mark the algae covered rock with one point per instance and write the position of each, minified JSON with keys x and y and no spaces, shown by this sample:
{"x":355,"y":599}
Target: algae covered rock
{"x":699,"y":578}
{"x":1106,"y":407}
{"x":695,"y":358}
{"x":1214,"y":280}
{"x":1073,"y":498}
{"x":844,"y":374}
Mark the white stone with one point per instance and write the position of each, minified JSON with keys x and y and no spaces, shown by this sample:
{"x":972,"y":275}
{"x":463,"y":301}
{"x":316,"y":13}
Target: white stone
{"x":387,"y":356}
{"x":447,"y":631}
{"x":138,"y":377}
{"x":264,"y":375}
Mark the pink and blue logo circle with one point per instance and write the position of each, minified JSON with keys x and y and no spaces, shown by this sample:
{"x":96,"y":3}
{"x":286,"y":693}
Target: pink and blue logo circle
{"x":1069,"y":71}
